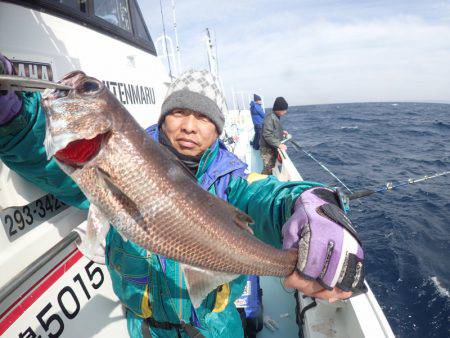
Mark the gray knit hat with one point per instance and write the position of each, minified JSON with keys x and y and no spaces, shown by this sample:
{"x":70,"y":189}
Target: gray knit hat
{"x":198,"y":91}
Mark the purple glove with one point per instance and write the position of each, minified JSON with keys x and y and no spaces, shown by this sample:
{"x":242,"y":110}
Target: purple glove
{"x":329,"y":250}
{"x":10,"y":103}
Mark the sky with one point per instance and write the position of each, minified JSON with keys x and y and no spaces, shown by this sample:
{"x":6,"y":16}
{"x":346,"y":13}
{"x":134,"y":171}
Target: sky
{"x":317,"y":51}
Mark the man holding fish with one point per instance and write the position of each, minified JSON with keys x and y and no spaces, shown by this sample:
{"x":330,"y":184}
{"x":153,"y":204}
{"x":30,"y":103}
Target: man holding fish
{"x":178,"y":254}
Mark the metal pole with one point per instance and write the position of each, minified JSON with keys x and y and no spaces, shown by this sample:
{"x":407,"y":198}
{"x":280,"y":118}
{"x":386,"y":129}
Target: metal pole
{"x":243,"y":101}
{"x":165,"y":36}
{"x":176,"y":37}
{"x":209,"y":51}
{"x":233,"y":98}
{"x":212,"y":57}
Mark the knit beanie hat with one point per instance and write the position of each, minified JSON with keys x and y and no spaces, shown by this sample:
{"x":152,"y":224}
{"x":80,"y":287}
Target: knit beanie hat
{"x":280,"y":104}
{"x":256,"y":97}
{"x":198,"y":91}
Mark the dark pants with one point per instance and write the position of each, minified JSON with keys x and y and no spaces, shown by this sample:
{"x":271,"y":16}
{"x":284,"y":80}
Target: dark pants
{"x":258,"y":131}
{"x":251,"y":325}
{"x":269,"y":157}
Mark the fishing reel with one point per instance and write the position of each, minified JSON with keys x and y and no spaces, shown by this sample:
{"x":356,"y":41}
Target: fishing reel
{"x":343,"y":199}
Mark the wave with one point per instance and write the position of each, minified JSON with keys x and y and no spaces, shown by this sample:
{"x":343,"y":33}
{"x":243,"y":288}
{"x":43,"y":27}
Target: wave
{"x":443,"y":292}
{"x":417,"y":132}
{"x":350,"y":128}
{"x":442,"y":125}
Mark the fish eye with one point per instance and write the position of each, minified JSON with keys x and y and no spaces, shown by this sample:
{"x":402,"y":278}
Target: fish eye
{"x":59,"y":93}
{"x":90,"y":86}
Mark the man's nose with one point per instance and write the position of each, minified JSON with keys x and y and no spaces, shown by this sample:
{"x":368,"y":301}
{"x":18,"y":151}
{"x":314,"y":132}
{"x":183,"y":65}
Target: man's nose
{"x":189,"y":124}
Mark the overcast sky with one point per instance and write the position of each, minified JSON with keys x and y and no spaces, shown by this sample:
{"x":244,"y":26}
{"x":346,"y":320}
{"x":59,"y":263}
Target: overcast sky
{"x":318,"y":51}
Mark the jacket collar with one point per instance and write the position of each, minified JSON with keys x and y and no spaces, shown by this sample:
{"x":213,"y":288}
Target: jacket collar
{"x":216,"y":162}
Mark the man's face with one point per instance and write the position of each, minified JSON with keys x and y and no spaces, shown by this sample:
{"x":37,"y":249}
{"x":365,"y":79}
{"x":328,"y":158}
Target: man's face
{"x":280,"y":112}
{"x":190,"y":133}
{"x":258,"y":101}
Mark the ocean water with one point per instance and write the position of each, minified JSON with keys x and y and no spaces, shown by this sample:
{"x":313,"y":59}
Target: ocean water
{"x":406,"y":232}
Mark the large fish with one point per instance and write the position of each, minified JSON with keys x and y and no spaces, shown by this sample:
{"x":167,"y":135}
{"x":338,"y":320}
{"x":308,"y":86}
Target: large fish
{"x":145,"y":192}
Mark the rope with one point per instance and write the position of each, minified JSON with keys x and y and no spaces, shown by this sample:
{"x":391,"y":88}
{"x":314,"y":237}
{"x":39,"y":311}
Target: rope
{"x":298,"y":147}
{"x":165,"y":39}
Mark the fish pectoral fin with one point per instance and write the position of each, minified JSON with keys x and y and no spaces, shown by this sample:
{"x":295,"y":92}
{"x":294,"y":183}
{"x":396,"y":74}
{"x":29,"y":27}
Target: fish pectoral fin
{"x":200,"y":282}
{"x":110,"y":184}
{"x":93,"y":235}
{"x":120,"y":198}
{"x":115,"y":190}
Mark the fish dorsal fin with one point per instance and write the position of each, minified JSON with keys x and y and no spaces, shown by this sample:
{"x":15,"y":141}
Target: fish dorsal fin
{"x":200,"y":282}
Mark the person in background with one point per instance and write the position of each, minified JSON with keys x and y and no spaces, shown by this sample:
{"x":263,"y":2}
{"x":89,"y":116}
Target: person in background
{"x":250,"y":307}
{"x":258,"y":114}
{"x":272,"y":135}
{"x":158,"y":304}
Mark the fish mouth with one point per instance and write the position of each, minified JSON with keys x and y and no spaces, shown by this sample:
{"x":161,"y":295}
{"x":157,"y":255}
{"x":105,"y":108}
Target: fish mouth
{"x":76,"y":154}
{"x":67,"y":129}
{"x":57,"y":141}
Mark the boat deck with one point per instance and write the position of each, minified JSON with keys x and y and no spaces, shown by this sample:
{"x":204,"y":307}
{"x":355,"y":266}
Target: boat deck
{"x":279,"y":305}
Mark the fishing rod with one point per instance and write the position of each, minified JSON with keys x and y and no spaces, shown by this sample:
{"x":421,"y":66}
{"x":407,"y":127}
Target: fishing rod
{"x":345,"y":197}
{"x":299,"y":147}
{"x":391,"y":186}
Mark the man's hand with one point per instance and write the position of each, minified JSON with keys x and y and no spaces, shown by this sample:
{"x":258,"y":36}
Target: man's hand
{"x":282,"y":146}
{"x":331,"y":259}
{"x":313,"y":289}
{"x":10,"y":103}
{"x":285,"y":133}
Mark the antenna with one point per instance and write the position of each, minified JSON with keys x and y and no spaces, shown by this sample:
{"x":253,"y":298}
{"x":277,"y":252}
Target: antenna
{"x":165,"y":49}
{"x":176,"y":38}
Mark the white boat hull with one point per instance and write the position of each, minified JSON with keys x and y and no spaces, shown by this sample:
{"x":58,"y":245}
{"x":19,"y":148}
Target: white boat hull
{"x":73,"y":298}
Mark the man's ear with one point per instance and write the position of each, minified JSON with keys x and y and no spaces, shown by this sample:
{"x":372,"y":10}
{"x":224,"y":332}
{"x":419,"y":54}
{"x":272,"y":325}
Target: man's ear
{"x":163,"y":125}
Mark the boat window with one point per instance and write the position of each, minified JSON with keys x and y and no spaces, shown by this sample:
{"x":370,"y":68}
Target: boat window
{"x":75,"y":4}
{"x":113,"y":11}
{"x":121,"y":19}
{"x":138,"y":22}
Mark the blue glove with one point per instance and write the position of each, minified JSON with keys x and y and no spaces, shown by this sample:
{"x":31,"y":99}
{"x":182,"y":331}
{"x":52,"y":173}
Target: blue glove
{"x":329,"y":250}
{"x":10,"y":103}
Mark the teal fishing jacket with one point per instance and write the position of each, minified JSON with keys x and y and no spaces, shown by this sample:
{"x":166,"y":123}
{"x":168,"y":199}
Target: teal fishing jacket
{"x":149,"y":285}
